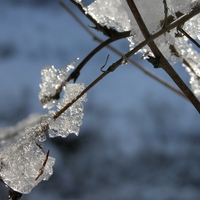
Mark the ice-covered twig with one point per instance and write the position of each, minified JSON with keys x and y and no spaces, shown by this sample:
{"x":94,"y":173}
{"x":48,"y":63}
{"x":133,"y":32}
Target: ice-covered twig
{"x":161,"y":59}
{"x":41,"y":171}
{"x":23,"y":163}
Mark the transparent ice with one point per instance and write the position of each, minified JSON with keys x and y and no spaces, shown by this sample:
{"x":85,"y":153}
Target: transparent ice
{"x":116,"y":14}
{"x":20,"y":164}
{"x":52,"y":80}
{"x":71,"y":119}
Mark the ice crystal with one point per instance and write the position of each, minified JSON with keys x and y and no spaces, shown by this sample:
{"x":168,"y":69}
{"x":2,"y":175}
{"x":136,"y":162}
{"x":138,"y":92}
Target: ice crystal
{"x":21,"y":164}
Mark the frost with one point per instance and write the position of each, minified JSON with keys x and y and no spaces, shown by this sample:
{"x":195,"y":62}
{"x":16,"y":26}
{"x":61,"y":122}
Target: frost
{"x":21,"y":163}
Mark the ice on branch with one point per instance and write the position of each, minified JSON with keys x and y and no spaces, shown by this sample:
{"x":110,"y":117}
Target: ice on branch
{"x":174,"y":45}
{"x":117,"y":14}
{"x":52,"y":82}
{"x":21,"y":164}
{"x":71,"y":118}
{"x":69,"y":121}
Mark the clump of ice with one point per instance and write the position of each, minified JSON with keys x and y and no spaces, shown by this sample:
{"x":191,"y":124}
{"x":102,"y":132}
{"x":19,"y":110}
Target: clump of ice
{"x":52,"y":81}
{"x":21,"y":163}
{"x":69,"y":121}
{"x":24,"y":164}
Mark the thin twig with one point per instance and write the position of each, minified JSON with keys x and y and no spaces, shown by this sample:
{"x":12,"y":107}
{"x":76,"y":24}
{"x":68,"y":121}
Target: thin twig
{"x":63,"y":5}
{"x":41,"y":171}
{"x":161,"y":59}
{"x":149,"y":73}
{"x":189,"y":37}
{"x":112,"y":33}
{"x":74,"y":75}
{"x":166,"y":13}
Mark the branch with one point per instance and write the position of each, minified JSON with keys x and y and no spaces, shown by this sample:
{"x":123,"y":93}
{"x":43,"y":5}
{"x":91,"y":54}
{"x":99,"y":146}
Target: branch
{"x":136,"y":64}
{"x":75,"y":74}
{"x":80,"y":95}
{"x":161,"y":59}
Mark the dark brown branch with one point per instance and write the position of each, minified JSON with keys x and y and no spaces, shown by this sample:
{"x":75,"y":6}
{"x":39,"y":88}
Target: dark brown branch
{"x":161,"y":59}
{"x":41,"y":171}
{"x":166,"y":13}
{"x":174,"y":24}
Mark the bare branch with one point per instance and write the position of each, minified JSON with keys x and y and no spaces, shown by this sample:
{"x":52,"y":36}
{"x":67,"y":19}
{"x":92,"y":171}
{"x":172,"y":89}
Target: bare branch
{"x":74,"y":75}
{"x":43,"y":166}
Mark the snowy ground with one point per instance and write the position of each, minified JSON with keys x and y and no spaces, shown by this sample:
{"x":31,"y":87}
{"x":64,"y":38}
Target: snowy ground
{"x":138,"y":140}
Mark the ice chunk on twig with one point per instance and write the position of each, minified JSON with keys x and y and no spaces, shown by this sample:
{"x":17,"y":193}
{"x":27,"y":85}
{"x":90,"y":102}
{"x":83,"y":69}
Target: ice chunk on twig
{"x":21,"y":163}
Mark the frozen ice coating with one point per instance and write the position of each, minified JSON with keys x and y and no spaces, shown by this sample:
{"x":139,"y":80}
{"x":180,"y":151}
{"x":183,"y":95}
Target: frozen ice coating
{"x":116,"y":14}
{"x":21,"y":165}
{"x":49,"y":85}
{"x":71,"y":119}
{"x":52,"y":79}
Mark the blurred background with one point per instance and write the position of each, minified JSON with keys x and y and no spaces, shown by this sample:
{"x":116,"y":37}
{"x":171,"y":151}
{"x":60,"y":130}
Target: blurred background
{"x":139,"y":140}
